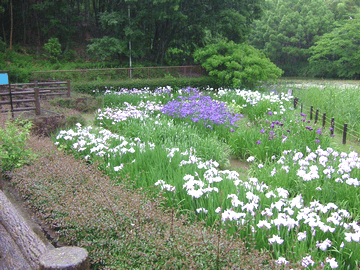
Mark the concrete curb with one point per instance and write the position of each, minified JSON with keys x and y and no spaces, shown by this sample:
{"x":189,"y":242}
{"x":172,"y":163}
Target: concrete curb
{"x":21,"y":248}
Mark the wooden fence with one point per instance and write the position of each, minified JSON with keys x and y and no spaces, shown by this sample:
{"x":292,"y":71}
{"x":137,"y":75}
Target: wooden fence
{"x":317,"y":116}
{"x":26,"y":96}
{"x":120,"y":73}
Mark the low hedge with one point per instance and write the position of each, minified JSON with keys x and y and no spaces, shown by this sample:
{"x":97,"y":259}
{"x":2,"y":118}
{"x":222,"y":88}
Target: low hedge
{"x":176,"y":83}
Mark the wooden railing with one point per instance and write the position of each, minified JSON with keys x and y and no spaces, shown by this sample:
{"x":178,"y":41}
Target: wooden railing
{"x":26,"y":96}
{"x":119,"y":73}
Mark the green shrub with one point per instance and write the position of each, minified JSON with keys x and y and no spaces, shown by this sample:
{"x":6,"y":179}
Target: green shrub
{"x":53,"y":48}
{"x":74,"y":119}
{"x":19,"y":66}
{"x":12,"y":144}
{"x":69,"y":55}
{"x":236,"y":65}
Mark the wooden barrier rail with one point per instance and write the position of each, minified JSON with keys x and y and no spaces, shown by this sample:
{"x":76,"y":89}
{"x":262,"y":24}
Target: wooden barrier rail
{"x":35,"y":99}
{"x":121,"y":73}
{"x":21,"y":94}
{"x":51,"y":88}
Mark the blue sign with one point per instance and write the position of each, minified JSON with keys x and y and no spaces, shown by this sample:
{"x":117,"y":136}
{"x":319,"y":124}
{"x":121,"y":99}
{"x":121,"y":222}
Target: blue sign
{"x":4,"y":79}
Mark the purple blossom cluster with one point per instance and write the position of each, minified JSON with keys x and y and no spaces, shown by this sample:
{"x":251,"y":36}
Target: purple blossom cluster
{"x":272,"y":133}
{"x":197,"y":107}
{"x":272,"y":125}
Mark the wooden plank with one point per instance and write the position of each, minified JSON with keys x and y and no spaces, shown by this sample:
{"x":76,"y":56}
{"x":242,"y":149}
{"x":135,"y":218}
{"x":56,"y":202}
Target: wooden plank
{"x":24,"y":109}
{"x":54,"y":94}
{"x":37,"y":101}
{"x":54,"y":88}
{"x":39,"y":83}
{"x":50,"y":83}
{"x":22,"y":93}
{"x":4,"y":102}
{"x":23,"y":100}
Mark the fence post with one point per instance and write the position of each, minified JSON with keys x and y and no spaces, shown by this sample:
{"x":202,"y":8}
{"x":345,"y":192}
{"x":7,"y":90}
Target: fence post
{"x":332,"y":126}
{"x":311,"y":112}
{"x":344,"y":134}
{"x":11,"y":101}
{"x":316,"y":116}
{"x":37,"y":101}
{"x":324,"y":118}
{"x":295,"y":102}
{"x":68,"y":88}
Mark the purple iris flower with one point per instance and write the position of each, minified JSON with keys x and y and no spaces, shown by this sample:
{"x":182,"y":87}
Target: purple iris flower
{"x":197,"y":107}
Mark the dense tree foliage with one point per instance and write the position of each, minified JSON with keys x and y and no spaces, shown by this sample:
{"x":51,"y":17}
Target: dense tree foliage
{"x":170,"y":31}
{"x":344,"y":9}
{"x":173,"y":27}
{"x":337,"y":54}
{"x":288,"y":29}
{"x":160,"y":31}
{"x":236,"y":65}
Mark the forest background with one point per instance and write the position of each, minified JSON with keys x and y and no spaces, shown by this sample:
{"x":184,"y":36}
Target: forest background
{"x":311,"y":38}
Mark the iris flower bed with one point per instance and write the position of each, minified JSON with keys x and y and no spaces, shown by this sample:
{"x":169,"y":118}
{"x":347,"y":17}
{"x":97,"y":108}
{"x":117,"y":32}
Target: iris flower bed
{"x":295,"y":201}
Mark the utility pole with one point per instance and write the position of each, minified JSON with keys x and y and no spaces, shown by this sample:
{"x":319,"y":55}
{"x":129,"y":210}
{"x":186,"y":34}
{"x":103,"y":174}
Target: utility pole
{"x":129,"y":43}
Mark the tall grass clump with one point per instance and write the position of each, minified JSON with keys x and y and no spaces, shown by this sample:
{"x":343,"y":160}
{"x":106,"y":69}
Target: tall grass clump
{"x":342,"y":103}
{"x":272,"y":134}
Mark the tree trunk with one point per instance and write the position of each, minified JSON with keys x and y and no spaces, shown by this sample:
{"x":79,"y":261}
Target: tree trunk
{"x":28,"y":242}
{"x":11,"y":24}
